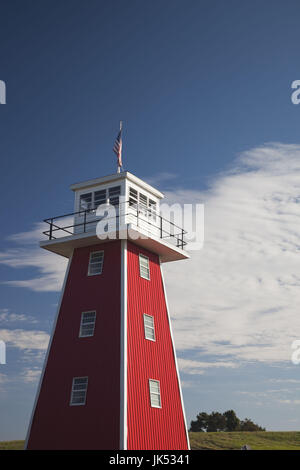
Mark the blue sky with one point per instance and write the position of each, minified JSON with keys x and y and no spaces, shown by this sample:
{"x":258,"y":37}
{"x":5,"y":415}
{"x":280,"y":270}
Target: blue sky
{"x":203,"y":89}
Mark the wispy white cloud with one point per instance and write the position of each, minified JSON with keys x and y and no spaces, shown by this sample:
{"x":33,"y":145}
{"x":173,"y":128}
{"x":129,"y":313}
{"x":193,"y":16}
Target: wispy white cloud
{"x":3,"y":378}
{"x":25,"y":339}
{"x":264,"y":393}
{"x":238,"y":298}
{"x":3,"y":382}
{"x":9,"y":317}
{"x":290,"y":402}
{"x":193,"y":367}
{"x":187,"y":383}
{"x":30,"y":375}
{"x":50,"y":267}
{"x":160,"y":178}
{"x":30,"y":356}
{"x":288,"y":381}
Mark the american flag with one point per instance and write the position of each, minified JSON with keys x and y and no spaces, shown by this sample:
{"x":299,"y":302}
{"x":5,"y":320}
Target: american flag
{"x":118,"y":147}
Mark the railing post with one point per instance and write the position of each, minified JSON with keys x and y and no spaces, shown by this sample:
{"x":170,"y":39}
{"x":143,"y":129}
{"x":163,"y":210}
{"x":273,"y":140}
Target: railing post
{"x":160,"y":226}
{"x":50,"y":231}
{"x":84,"y":221}
{"x":182,"y":235}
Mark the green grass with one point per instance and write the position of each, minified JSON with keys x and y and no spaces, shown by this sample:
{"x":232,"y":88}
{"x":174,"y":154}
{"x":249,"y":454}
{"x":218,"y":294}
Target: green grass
{"x":222,"y":441}
{"x":12,"y":445}
{"x":235,"y":440}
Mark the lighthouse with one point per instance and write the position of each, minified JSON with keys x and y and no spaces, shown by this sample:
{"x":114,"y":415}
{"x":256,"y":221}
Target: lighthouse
{"x":110,"y":378}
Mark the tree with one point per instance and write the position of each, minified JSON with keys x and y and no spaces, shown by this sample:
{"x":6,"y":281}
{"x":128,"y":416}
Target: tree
{"x":248,"y":425}
{"x":232,"y":421}
{"x":217,"y":422}
{"x":200,"y":425}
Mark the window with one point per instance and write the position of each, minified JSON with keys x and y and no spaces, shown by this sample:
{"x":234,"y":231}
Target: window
{"x":143,"y":200}
{"x":95,"y":263}
{"x":143,"y":203}
{"x":79,"y":389}
{"x":154,"y":388}
{"x":133,"y":197}
{"x":152,"y":209}
{"x":86,"y":201}
{"x":149,"y":327}
{"x":87,"y":324}
{"x":99,"y":198}
{"x":114,"y":194}
{"x":144,"y":267}
{"x":146,"y":206}
{"x":90,"y":201}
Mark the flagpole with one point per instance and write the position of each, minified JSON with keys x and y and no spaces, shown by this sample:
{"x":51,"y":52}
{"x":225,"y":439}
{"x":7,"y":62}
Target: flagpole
{"x":119,"y":168}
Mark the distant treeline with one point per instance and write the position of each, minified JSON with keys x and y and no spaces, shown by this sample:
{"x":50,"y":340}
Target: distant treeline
{"x":217,"y":422}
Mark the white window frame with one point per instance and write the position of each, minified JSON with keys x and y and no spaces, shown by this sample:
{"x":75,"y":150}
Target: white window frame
{"x":113,"y":196}
{"x":92,"y":204}
{"x":143,"y":204}
{"x":133,"y":197}
{"x":92,"y":253}
{"x":74,"y":391}
{"x":152,"y":327}
{"x":145,"y":257}
{"x":146,"y":204}
{"x":152,"y":209}
{"x":155,"y":393}
{"x":92,"y":322}
{"x":95,"y":206}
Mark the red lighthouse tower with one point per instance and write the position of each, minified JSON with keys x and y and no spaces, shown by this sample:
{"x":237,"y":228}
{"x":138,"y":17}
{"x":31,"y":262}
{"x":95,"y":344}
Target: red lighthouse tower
{"x":110,"y":379}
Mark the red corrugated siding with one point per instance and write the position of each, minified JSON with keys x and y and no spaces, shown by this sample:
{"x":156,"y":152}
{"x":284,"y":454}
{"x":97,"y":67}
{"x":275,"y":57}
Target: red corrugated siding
{"x":57,"y":425}
{"x":151,"y":428}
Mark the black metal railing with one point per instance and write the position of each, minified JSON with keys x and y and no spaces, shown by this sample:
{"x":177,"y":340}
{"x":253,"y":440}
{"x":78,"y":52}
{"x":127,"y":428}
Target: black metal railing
{"x":147,"y":217}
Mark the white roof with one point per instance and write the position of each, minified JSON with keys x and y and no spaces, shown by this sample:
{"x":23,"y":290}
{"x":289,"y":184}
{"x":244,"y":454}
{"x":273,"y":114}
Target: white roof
{"x":117,"y":177}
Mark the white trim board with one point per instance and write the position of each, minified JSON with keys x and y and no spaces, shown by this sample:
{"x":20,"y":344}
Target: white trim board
{"x":123,"y":348}
{"x":126,"y":175}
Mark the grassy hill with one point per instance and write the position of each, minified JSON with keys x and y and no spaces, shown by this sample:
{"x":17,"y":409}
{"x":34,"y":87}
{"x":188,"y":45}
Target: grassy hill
{"x":12,"y":445}
{"x":222,"y":441}
{"x":235,"y":440}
